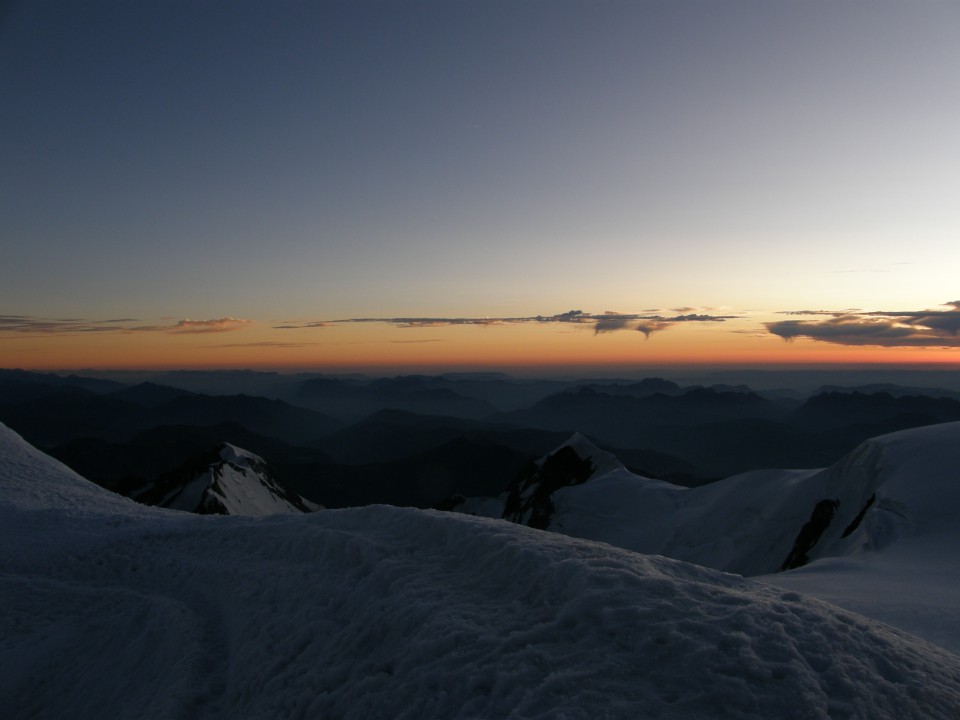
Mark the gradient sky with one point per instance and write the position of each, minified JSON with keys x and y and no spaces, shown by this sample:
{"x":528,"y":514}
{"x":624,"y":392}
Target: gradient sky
{"x":209,"y":184}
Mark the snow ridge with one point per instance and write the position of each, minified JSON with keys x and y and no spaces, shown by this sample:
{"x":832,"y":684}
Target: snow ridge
{"x":601,"y":460}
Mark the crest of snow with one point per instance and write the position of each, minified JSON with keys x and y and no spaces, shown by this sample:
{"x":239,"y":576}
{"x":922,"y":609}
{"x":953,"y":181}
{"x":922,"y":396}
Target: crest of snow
{"x":31,"y":480}
{"x":482,"y":506}
{"x":602,"y":461}
{"x":239,"y":456}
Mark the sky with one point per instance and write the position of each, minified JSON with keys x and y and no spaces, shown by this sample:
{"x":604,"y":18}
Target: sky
{"x":416,"y":185}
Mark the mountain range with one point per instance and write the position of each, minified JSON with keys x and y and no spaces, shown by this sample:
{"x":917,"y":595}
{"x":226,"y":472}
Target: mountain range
{"x":368,"y":440}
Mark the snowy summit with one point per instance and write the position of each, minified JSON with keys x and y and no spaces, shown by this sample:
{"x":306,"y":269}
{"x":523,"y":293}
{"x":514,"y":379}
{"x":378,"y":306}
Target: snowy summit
{"x":227,"y":481}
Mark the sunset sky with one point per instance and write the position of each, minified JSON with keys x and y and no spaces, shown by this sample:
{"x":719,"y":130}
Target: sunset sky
{"x":440,"y":185}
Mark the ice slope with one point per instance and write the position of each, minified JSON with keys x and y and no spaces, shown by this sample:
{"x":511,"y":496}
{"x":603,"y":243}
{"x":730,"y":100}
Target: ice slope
{"x":233,"y":482}
{"x":116,"y":610}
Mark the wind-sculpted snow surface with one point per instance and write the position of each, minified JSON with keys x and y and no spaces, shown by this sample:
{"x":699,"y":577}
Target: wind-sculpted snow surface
{"x":113,"y":610}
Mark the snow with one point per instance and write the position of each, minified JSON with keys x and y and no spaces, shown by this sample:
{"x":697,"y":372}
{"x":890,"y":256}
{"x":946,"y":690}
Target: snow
{"x":116,"y":610}
{"x":746,"y":524}
{"x":238,"y":484}
{"x":603,"y":461}
{"x":899,"y":565}
{"x":902,"y":565}
{"x":239,"y":456}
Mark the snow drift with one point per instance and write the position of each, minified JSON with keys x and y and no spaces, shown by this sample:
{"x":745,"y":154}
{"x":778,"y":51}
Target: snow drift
{"x":112,"y":609}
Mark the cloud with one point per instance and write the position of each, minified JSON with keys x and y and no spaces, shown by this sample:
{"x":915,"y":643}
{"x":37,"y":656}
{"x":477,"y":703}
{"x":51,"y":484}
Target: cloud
{"x":225,"y":324}
{"x":264,"y":344}
{"x":848,"y":311}
{"x":611,"y":321}
{"x":648,"y":327}
{"x":608,"y":321}
{"x":28,"y":325}
{"x":23,"y":325}
{"x":882,"y":328}
{"x":693,"y":317}
{"x":292,"y":325}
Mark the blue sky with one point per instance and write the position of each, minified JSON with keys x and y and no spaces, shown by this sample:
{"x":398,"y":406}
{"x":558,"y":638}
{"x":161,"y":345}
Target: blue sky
{"x":296,"y":161}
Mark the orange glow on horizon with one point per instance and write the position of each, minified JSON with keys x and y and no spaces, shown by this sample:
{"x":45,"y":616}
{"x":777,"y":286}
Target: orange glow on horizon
{"x":370,"y":347}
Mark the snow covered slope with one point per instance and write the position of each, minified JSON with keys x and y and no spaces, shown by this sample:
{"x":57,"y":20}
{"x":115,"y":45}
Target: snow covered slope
{"x":759,"y":522}
{"x":888,"y":514}
{"x":122,"y":611}
{"x":229,"y":481}
{"x":746,"y":524}
{"x":901,"y":564}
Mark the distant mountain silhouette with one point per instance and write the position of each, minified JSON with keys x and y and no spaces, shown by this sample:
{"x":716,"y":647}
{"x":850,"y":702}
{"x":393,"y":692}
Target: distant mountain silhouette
{"x":391,"y":434}
{"x":401,"y":445}
{"x":53,"y":415}
{"x":274,"y":418}
{"x":23,"y":385}
{"x":355,"y":399}
{"x":891,"y":389}
{"x":150,"y":395}
{"x":462,"y":465}
{"x":623,"y":421}
{"x":833,"y":410}
{"x":644,"y":388}
{"x":48,"y":415}
{"x":9,"y":379}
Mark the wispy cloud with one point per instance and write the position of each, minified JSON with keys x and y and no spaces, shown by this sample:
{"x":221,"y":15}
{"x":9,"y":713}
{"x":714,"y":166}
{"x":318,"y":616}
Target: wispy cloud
{"x":649,"y":327}
{"x":605,"y":322}
{"x":297,"y":325}
{"x":264,"y":344}
{"x":884,"y":328}
{"x":225,"y":324}
{"x":27,"y":325}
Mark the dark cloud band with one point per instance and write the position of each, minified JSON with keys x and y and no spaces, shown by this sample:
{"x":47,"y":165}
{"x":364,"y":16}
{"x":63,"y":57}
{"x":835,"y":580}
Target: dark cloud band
{"x":601,"y":323}
{"x":21,"y":325}
{"x":903,"y":328}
